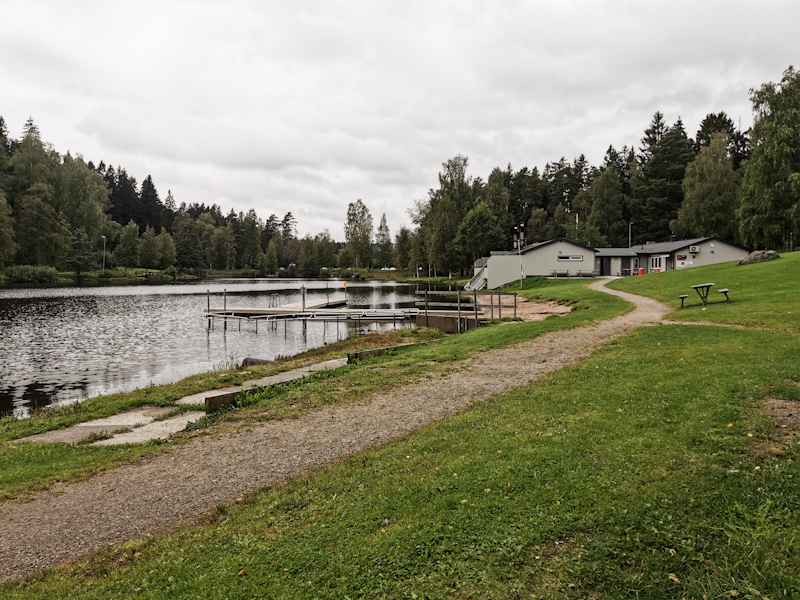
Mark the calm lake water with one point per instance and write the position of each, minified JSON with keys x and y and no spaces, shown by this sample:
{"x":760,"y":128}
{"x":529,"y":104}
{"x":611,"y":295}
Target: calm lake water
{"x":64,"y":344}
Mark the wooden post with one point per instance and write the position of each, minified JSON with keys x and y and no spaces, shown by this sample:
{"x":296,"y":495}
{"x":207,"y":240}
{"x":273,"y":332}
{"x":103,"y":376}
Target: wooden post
{"x":458,"y":302}
{"x":499,"y":307}
{"x":491,"y":305}
{"x":475,"y":303}
{"x":225,"y":308}
{"x":515,"y":305}
{"x":426,"y":308}
{"x":208,"y":309}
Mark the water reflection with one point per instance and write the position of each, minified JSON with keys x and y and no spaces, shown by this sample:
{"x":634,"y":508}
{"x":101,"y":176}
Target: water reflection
{"x":63,"y":344}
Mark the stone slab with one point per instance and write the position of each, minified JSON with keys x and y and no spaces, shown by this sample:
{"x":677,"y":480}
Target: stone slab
{"x":128,"y":420}
{"x":157,"y":430}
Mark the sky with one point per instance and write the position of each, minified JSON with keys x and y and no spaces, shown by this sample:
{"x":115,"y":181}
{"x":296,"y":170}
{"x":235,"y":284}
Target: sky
{"x":306,"y":106}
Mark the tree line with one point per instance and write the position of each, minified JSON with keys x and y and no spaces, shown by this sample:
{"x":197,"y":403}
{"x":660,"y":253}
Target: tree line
{"x":742,"y":186}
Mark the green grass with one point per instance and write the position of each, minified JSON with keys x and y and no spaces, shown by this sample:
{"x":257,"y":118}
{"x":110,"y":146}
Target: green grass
{"x":599,"y":481}
{"x":28,"y":467}
{"x":762,"y":295}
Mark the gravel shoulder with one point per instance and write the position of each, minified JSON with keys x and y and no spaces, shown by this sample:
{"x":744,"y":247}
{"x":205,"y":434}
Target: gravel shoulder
{"x":170,"y":488}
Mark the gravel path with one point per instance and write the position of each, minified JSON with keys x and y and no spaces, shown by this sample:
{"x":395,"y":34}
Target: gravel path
{"x":133,"y":500}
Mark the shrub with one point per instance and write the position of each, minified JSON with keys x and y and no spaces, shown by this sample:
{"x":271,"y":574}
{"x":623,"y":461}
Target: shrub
{"x":31,"y":274}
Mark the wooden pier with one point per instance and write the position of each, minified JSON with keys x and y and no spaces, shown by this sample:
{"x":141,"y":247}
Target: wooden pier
{"x":459,"y":318}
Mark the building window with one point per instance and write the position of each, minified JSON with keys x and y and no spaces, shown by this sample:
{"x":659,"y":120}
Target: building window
{"x":571,"y":258}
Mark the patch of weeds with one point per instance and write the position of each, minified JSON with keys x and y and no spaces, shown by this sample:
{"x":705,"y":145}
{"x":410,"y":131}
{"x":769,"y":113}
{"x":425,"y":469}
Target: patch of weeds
{"x":92,"y":438}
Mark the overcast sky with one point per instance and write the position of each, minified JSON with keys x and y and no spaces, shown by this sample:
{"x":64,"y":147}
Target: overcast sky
{"x":306,"y":106}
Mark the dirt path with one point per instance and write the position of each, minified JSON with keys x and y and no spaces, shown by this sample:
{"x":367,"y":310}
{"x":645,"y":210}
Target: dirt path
{"x":130,"y":501}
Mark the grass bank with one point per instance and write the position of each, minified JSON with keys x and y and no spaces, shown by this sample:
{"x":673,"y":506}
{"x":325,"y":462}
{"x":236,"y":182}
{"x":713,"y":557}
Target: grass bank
{"x":27,"y":467}
{"x":646,"y":471}
{"x":762,"y":295}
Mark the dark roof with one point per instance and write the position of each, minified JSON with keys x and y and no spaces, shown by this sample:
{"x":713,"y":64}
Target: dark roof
{"x":615,"y":252}
{"x":667,"y":247}
{"x":536,"y":246}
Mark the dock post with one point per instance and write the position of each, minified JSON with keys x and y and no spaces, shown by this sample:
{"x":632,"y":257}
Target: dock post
{"x":426,"y":308}
{"x":327,"y":294}
{"x":303,"y":294}
{"x":208,"y":306}
{"x":475,"y":303}
{"x":491,"y":305}
{"x":500,"y":307}
{"x":515,"y":305}
{"x":225,"y":308}
{"x":458,"y":302}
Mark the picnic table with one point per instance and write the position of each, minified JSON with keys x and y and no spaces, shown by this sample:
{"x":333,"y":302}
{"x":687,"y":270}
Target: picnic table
{"x":702,"y":290}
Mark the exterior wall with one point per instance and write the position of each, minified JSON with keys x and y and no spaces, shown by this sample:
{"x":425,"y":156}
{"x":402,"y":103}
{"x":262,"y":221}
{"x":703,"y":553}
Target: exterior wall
{"x":504,"y":268}
{"x":721,"y":252}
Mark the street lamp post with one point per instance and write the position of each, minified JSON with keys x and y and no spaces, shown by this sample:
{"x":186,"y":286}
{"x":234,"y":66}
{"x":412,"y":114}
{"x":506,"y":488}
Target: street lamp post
{"x":630,"y":223}
{"x":519,"y":234}
{"x":104,"y":253}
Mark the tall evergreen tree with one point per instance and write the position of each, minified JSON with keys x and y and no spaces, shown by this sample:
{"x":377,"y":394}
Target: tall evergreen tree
{"x":606,"y":214}
{"x":151,"y":208}
{"x":652,"y":137}
{"x":737,"y":142}
{"x":661,"y":192}
{"x":383,"y":245}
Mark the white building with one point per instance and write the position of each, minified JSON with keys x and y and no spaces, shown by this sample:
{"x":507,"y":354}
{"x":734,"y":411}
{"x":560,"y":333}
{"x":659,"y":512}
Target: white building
{"x":562,"y":258}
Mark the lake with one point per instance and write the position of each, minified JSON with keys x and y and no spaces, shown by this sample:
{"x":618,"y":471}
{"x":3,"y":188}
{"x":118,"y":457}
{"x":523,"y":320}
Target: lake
{"x":58,"y":345}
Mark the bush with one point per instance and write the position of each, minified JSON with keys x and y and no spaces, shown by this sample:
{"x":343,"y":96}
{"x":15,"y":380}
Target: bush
{"x":31,"y":274}
{"x":113,"y":274}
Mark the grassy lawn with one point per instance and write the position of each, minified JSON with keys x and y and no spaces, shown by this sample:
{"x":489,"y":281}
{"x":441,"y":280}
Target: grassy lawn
{"x":762,"y":295}
{"x":646,"y":471}
{"x":28,"y":467}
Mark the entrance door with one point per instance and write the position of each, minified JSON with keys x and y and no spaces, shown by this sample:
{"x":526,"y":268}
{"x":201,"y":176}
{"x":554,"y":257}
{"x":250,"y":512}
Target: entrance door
{"x":605,"y":265}
{"x":626,"y":266}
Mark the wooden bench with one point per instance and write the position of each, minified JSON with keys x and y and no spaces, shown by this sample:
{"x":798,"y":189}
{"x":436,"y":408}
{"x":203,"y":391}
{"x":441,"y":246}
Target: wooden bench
{"x":683,"y":297}
{"x":560,"y":273}
{"x":725,"y":291}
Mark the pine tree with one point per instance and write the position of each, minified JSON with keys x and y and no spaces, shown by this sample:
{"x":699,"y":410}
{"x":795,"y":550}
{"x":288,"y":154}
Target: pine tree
{"x":661,"y":192}
{"x":150,"y":207}
{"x":606,"y":214}
{"x":652,"y":137}
{"x":383,"y":245}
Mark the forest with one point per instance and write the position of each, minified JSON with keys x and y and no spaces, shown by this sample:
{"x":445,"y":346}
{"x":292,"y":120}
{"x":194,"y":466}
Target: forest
{"x":61,"y":212}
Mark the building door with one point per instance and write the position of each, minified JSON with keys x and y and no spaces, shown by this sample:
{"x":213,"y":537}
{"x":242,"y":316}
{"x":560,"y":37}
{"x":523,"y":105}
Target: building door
{"x":626,"y":266}
{"x":605,"y":265}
